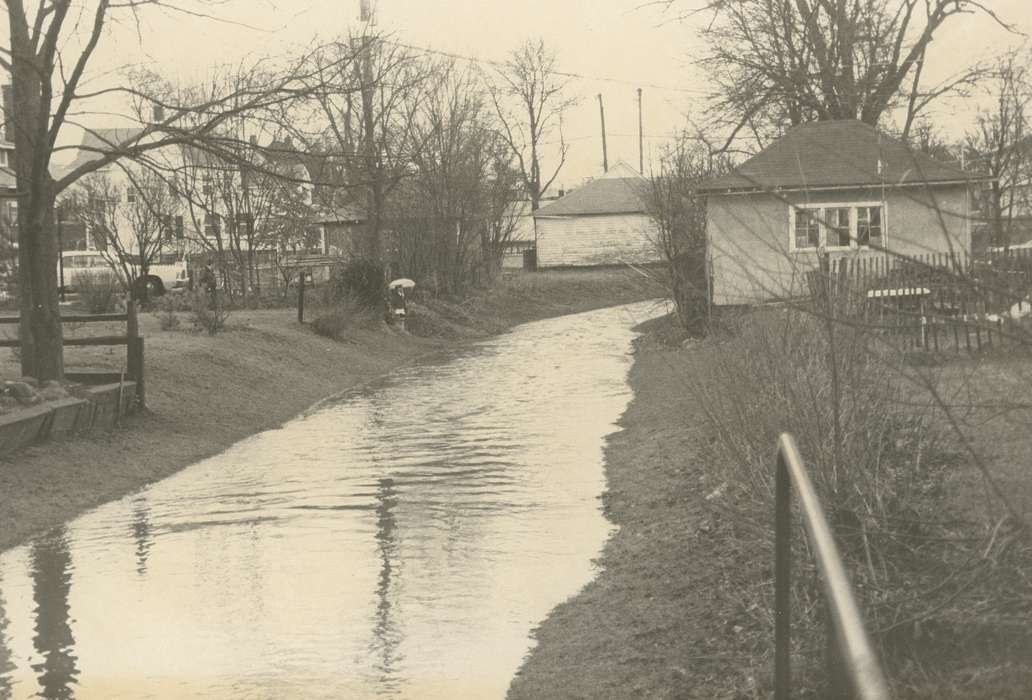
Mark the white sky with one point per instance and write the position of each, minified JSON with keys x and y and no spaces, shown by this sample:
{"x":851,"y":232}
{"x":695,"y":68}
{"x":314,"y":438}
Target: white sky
{"x":616,"y":39}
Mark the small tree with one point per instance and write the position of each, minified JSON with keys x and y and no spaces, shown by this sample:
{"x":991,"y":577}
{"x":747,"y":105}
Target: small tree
{"x":134,"y":224}
{"x":680,"y":217}
{"x":530,"y":96}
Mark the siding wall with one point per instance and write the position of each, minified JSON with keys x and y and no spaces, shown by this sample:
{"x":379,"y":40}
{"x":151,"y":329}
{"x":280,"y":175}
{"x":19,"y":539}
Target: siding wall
{"x":749,"y":236}
{"x":601,"y":239}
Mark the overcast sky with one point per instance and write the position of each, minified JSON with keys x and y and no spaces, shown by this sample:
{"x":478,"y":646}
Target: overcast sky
{"x":620,"y":40}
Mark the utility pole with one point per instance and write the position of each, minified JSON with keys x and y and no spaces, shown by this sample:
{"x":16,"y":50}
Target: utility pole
{"x":641,"y":139}
{"x":605,"y":155}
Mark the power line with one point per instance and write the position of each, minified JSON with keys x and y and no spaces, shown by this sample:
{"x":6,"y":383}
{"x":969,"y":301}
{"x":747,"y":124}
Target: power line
{"x":566,"y":74}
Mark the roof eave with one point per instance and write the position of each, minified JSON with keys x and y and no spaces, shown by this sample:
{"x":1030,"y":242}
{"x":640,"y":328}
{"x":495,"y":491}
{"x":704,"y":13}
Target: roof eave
{"x":566,"y":215}
{"x":829,"y":188}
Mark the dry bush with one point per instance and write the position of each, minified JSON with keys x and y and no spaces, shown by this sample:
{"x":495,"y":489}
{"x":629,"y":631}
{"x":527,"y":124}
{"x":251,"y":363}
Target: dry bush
{"x":99,"y":293}
{"x":878,"y":457}
{"x":167,"y":317}
{"x":208,"y":312}
{"x":333,"y":319}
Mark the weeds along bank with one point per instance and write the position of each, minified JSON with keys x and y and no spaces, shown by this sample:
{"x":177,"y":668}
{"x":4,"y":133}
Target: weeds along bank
{"x":684,"y":604}
{"x":260,"y":368}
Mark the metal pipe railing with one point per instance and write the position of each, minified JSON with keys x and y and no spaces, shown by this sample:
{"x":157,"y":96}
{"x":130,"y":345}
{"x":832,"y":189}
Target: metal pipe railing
{"x":849,"y":638}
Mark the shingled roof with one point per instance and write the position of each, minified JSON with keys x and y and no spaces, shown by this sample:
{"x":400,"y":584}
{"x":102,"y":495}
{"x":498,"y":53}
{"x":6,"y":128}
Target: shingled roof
{"x":835,"y":154}
{"x":620,"y":191}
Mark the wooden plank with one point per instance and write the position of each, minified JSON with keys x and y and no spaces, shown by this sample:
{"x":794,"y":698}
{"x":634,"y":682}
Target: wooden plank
{"x":94,"y":318}
{"x":98,"y":340}
{"x":73,"y":318}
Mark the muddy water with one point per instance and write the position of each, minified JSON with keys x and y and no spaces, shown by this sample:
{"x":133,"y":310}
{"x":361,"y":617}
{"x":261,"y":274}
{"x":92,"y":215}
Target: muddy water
{"x":400,"y":541}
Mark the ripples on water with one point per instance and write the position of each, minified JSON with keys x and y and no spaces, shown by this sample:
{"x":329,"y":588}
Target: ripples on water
{"x":401,"y":541}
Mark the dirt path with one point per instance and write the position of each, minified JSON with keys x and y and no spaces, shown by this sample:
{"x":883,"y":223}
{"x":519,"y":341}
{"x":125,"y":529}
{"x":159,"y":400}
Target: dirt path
{"x":205,"y":393}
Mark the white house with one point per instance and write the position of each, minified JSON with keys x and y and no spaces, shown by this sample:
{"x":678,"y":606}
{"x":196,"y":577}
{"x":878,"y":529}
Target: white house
{"x":837,"y":187}
{"x":208,"y":205}
{"x":604,"y":222}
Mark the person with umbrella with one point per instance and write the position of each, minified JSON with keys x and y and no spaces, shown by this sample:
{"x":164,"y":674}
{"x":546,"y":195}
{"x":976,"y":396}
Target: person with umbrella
{"x":396,"y":309}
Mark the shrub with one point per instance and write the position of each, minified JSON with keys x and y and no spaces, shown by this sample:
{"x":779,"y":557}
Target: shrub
{"x":872,"y":447}
{"x":359,"y":281}
{"x":100,"y":293}
{"x":208,"y":312}
{"x":167,"y":314}
{"x":334,"y":320}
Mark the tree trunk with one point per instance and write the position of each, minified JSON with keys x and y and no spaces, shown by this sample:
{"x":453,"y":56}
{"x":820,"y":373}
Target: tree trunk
{"x":40,"y":325}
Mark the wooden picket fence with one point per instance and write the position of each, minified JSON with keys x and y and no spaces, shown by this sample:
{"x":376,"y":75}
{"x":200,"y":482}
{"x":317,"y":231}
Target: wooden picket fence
{"x":935,"y":301}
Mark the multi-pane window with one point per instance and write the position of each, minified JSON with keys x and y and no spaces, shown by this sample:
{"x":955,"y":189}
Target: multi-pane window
{"x":807,"y":228}
{"x":837,"y":226}
{"x":869,"y":225}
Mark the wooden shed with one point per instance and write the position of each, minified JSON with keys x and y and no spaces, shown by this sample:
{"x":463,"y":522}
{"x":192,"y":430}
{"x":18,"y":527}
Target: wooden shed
{"x":601,"y":223}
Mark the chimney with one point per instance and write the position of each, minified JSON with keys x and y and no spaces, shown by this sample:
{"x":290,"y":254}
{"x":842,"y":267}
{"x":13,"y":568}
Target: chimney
{"x":159,"y":114}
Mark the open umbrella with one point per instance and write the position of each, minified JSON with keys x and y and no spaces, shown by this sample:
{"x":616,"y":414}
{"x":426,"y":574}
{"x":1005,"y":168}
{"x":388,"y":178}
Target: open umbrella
{"x":404,"y":283}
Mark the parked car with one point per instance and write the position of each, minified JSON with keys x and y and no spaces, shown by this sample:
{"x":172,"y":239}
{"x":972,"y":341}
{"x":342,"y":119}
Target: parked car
{"x":163,"y":275}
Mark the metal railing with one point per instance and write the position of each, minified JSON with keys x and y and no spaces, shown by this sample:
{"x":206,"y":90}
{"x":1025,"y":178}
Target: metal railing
{"x":850,"y":655}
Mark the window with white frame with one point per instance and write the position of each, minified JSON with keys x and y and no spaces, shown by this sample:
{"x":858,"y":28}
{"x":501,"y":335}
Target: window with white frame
{"x":837,"y":226}
{"x":869,"y":226}
{"x":806,"y":229}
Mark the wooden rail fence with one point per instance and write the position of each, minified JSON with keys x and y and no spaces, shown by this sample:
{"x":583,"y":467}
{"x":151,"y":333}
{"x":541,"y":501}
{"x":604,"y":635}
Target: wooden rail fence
{"x":131,"y":339}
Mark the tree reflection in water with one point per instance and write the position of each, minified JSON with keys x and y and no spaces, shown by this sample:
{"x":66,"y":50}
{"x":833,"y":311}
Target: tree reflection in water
{"x":53,"y":641}
{"x":141,"y":533}
{"x":6,"y":658}
{"x":385,"y":633}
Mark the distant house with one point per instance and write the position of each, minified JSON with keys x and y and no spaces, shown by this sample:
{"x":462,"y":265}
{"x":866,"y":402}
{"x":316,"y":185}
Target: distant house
{"x":343,"y":232}
{"x":521,"y":238}
{"x":841,"y":187}
{"x":604,"y":222}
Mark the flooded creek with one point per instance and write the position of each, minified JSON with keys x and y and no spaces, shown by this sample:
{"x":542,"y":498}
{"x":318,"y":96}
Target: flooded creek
{"x":401,"y":540}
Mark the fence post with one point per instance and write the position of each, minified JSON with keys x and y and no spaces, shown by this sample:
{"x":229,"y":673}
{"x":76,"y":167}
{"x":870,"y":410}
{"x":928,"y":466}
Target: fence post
{"x":134,"y":350}
{"x":301,"y":296}
{"x":782,"y":579}
{"x":132,"y":323}
{"x":136,"y":371}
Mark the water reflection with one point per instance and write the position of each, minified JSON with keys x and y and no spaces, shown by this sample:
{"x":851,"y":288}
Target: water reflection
{"x":141,"y":533}
{"x":6,"y":658}
{"x":385,"y":632}
{"x":402,"y":541}
{"x":51,"y":564}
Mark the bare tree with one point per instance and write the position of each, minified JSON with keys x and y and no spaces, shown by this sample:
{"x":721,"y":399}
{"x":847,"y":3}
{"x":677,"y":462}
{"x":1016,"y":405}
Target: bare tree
{"x":457,"y":204}
{"x":778,"y":62}
{"x":680,"y":217}
{"x":1000,"y":147}
{"x":135,"y":224}
{"x":47,"y":73}
{"x":358,"y":126}
{"x":529,"y":96}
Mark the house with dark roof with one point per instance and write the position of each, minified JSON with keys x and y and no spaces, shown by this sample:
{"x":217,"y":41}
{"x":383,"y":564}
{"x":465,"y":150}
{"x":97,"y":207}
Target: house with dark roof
{"x":841,"y":188}
{"x":601,"y":223}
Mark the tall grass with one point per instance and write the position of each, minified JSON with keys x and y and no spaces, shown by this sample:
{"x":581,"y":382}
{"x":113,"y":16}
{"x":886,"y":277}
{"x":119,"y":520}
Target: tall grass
{"x":875,"y":448}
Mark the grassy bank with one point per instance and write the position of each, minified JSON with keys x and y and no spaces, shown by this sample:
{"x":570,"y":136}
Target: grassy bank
{"x":682,"y":606}
{"x":206,"y":392}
